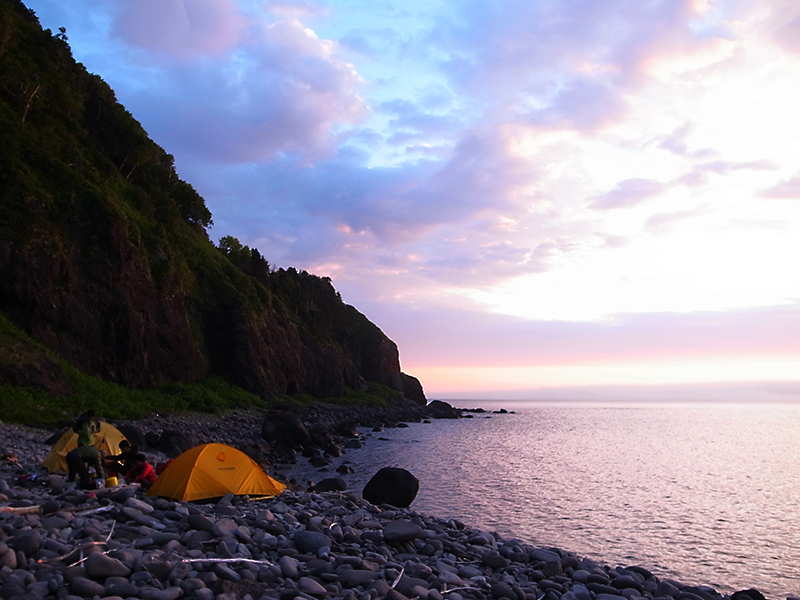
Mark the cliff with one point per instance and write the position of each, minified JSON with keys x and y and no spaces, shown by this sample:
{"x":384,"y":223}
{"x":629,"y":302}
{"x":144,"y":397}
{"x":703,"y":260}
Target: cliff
{"x":106,"y":263}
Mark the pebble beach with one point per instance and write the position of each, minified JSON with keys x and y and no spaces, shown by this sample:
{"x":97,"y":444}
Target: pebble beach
{"x":59,"y":542}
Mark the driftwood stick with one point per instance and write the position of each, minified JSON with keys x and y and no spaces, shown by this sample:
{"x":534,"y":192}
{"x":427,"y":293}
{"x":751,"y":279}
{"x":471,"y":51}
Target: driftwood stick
{"x":458,"y":589}
{"x":227,"y":560}
{"x":396,"y":581}
{"x":80,"y":548}
{"x":21,"y":510}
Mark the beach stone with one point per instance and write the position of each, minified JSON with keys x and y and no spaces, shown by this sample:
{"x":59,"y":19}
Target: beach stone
{"x":50,"y":507}
{"x":152,"y":593}
{"x":139,"y":505}
{"x":351,"y":578}
{"x":312,"y":587}
{"x":122,"y":589}
{"x":601,"y":589}
{"x":581,"y":592}
{"x":26,"y":542}
{"x":750,"y":594}
{"x":8,"y":558}
{"x":290,"y":567}
{"x":392,"y":485}
{"x":200,"y":523}
{"x":503,"y":590}
{"x":493,"y":559}
{"x":407,"y":583}
{"x":204,"y":594}
{"x":10,"y":590}
{"x":54,"y":522}
{"x":225,"y":573}
{"x":580,"y":575}
{"x":100,"y":566}
{"x":645,"y":574}
{"x":331,"y":484}
{"x":81,"y":586}
{"x":311,"y":541}
{"x":224,"y":527}
{"x":685,"y":595}
{"x":624,"y":581}
{"x":393,"y":594}
{"x":401,"y":531}
{"x":546,"y":556}
{"x":450,"y":579}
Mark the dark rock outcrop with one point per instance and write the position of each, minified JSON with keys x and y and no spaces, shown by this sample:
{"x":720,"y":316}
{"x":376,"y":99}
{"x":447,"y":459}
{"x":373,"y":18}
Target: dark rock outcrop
{"x":443,"y":410}
{"x":106,"y":262}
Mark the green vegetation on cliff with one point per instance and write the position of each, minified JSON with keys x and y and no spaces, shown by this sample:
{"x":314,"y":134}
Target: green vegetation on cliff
{"x":111,"y":290}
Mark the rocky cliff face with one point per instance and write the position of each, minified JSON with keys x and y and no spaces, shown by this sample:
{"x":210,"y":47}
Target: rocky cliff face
{"x":104,"y":258}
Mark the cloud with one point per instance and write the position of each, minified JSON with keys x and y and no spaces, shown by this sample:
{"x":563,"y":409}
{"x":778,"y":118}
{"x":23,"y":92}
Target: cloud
{"x":676,"y":142}
{"x":457,"y":336}
{"x":628,"y":193}
{"x":661,"y":222}
{"x":285,"y":92}
{"x":722,"y":167}
{"x":296,"y":8}
{"x":787,"y":189}
{"x":567,"y":64}
{"x":180,"y":29}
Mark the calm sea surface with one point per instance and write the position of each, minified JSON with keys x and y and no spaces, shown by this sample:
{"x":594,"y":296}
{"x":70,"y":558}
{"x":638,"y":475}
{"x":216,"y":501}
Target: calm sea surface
{"x":704,"y":494}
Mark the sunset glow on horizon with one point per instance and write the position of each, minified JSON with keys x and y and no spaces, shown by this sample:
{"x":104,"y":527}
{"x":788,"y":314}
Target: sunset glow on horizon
{"x":521,"y":194}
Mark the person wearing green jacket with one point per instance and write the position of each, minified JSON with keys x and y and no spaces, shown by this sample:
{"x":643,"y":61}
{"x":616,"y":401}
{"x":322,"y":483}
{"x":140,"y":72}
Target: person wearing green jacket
{"x":86,"y":427}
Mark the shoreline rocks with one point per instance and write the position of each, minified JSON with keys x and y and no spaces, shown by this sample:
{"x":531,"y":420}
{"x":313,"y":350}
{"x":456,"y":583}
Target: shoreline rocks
{"x":307,"y":545}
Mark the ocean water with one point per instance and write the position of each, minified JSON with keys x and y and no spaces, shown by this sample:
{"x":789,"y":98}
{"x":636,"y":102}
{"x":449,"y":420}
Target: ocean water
{"x":703,"y":494}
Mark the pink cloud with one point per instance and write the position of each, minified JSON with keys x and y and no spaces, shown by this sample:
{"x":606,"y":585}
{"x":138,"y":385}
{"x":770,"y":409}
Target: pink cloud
{"x":461,"y":338}
{"x":788,"y":189}
{"x":628,"y":193}
{"x":564,"y":64}
{"x":180,"y":29}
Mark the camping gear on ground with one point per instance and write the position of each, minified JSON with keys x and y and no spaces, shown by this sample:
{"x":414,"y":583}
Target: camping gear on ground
{"x":211,"y":471}
{"x":107,"y":439}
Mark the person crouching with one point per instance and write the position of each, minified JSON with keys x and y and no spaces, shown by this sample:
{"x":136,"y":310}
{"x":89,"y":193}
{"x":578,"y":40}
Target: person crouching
{"x":141,"y":473}
{"x":78,"y":462}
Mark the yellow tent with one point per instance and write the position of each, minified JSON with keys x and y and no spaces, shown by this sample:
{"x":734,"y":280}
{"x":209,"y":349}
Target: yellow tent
{"x":211,"y":471}
{"x":107,"y":439}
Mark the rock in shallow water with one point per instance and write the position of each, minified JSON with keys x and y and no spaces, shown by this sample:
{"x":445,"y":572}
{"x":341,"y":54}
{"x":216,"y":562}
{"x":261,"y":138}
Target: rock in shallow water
{"x":392,"y":485}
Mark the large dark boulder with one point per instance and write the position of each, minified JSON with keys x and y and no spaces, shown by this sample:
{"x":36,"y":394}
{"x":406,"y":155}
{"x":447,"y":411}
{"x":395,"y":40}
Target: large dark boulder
{"x":348,"y":429}
{"x":283,"y":428}
{"x":174,"y":443}
{"x":391,"y":485}
{"x":134,"y":435}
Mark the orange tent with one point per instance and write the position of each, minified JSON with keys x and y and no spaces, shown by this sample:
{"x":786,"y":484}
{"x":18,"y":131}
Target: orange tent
{"x":107,"y":439}
{"x":211,"y":471}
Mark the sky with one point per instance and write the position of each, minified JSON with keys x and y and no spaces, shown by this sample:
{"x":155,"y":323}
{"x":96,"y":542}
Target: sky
{"x":532,"y":198}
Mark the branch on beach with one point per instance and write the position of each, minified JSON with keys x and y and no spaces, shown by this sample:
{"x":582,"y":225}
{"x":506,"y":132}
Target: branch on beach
{"x":21,"y":510}
{"x":227,"y":560}
{"x":80,"y":549}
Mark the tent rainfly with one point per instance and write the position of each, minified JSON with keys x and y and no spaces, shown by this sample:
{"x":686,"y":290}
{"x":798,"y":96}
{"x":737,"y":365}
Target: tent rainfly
{"x":107,"y":439}
{"x":211,"y":471}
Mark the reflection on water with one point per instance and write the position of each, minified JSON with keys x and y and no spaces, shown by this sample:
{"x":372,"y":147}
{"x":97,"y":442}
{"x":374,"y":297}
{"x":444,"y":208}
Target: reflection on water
{"x":705,"y":494}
